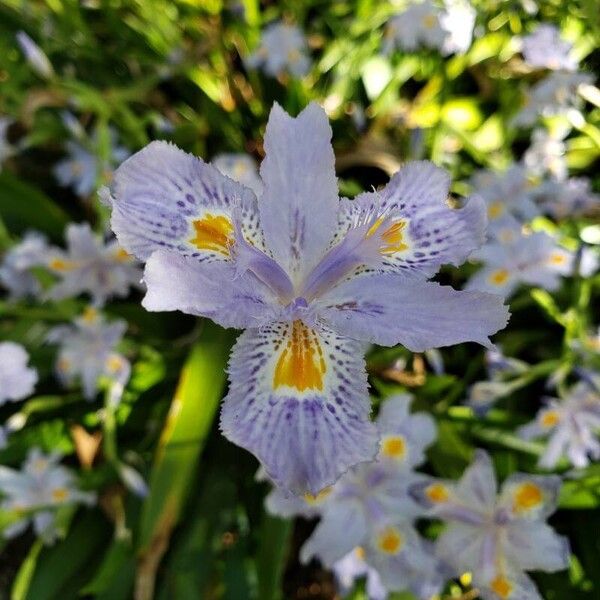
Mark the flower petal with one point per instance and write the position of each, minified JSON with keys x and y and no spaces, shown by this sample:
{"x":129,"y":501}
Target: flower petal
{"x":535,"y":546}
{"x":341,"y":529}
{"x":207,"y":289}
{"x":300,"y":200}
{"x":298,"y":400}
{"x":387,"y":309}
{"x":167,"y":199}
{"x":420,"y":230}
{"x":530,"y":497}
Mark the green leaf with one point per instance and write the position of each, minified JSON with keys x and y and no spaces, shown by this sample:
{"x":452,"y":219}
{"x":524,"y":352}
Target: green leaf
{"x":187,"y":426}
{"x":23,"y":207}
{"x":271,"y":557}
{"x":62,"y":569}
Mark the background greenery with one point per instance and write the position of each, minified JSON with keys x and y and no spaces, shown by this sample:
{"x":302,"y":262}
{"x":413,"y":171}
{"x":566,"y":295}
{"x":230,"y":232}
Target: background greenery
{"x":130,"y":64}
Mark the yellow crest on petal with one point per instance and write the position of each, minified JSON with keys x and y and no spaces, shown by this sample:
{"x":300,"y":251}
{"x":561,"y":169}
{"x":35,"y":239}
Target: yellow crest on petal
{"x":301,"y":364}
{"x":213,"y":232}
{"x":527,"y":496}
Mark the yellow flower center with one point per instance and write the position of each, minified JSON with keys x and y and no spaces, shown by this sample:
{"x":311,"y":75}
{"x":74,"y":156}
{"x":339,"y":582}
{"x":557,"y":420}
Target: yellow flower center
{"x":318,"y":498}
{"x":550,"y":418}
{"x":557,"y":259}
{"x":495,"y":209}
{"x":58,"y":264}
{"x":499,"y":277}
{"x":501,"y":586}
{"x":429,"y":21}
{"x":301,"y":364}
{"x":437,"y":493}
{"x":390,"y":541}
{"x":527,"y":496}
{"x":60,"y":494}
{"x":393,"y":236}
{"x":213,"y":232}
{"x":122,"y":255}
{"x":393,"y":446}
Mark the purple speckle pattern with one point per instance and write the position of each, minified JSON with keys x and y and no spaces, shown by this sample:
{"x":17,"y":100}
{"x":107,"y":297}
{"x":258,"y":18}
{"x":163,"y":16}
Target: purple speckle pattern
{"x":436,"y":234}
{"x":304,"y":440}
{"x":154,"y":208}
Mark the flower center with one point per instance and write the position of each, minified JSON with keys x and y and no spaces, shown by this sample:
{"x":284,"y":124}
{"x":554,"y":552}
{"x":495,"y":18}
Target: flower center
{"x":390,"y":541}
{"x":527,"y":496}
{"x":214,"y":233}
{"x":301,"y":364}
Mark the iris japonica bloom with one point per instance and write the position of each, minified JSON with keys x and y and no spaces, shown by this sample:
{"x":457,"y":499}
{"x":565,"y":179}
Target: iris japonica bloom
{"x":17,"y":380}
{"x":545,"y":49}
{"x":87,"y":351}
{"x":352,"y":567}
{"x":311,"y":279}
{"x":569,"y":198}
{"x":89,"y":265}
{"x":367,"y":516}
{"x":556,"y":94}
{"x":508,"y":197}
{"x":570,"y":425}
{"x":15,"y":270}
{"x":497,"y":537}
{"x":448,"y":28}
{"x":283,"y":49}
{"x":36,"y":492}
{"x":240,"y":168}
{"x":82,"y":168}
{"x":535,"y":260}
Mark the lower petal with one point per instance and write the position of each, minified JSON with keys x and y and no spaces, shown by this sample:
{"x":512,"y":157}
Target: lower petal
{"x":298,"y":400}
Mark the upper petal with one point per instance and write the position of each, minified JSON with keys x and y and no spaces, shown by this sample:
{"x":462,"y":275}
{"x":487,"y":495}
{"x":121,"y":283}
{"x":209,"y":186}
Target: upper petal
{"x":207,"y":289}
{"x":419,"y":230}
{"x":300,"y":200}
{"x":387,"y":309}
{"x":298,"y":400}
{"x":167,"y":199}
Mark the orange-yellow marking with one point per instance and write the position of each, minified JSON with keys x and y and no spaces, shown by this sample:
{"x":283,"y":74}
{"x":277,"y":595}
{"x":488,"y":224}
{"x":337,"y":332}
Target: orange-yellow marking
{"x":527,"y":496}
{"x":495,"y":209}
{"x":316,"y":499}
{"x":557,"y":259}
{"x":393,"y":446}
{"x":301,"y":364}
{"x":213,"y":232}
{"x":114,"y":363}
{"x":60,"y":494}
{"x":90,"y":314}
{"x":393,"y":236}
{"x":58,"y":264}
{"x":390,"y":541}
{"x":550,"y":418}
{"x":499,"y":277}
{"x":437,"y":493}
{"x":122,"y":255}
{"x":429,"y":21}
{"x":501,"y":586}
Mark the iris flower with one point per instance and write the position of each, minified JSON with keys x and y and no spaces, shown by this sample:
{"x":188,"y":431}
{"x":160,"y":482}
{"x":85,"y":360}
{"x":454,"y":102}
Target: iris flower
{"x":545,"y":49}
{"x":89,"y":265}
{"x":535,"y":260}
{"x":36,"y":492}
{"x":309,"y":277}
{"x":15,"y":270}
{"x":87,"y":351}
{"x":17,"y":380}
{"x":497,"y":537}
{"x":369,"y":508}
{"x":571,"y":426}
{"x":283,"y":49}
